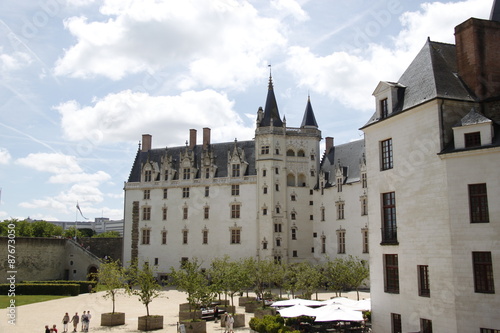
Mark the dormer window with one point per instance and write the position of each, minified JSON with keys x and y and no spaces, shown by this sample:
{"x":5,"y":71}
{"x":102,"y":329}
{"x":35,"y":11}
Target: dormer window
{"x":472,"y":139}
{"x":384,"y":108}
{"x":148,"y":175}
{"x":235,"y":170}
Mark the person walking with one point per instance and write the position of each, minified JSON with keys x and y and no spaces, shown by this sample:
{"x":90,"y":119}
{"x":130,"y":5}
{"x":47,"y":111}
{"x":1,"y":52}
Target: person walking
{"x":47,"y":329}
{"x":53,"y":329}
{"x":89,"y":316}
{"x":65,"y":322}
{"x":226,"y":323}
{"x":75,"y":320}
{"x":84,"y":320}
{"x":231,"y":323}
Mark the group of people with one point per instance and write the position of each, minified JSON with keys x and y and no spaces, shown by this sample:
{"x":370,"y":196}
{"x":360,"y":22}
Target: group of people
{"x":75,"y":320}
{"x":229,"y":321}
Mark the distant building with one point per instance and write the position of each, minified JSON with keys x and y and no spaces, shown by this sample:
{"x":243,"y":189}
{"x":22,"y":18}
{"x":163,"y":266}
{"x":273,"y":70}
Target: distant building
{"x":100,"y":225}
{"x":276,"y":196}
{"x":433,"y":161}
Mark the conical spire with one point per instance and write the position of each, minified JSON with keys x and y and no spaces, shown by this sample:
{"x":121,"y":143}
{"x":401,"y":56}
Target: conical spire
{"x":309,"y":120}
{"x":271,"y":113}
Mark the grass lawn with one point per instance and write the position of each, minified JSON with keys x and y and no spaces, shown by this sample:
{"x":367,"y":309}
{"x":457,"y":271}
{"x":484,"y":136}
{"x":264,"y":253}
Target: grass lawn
{"x":26,"y":299}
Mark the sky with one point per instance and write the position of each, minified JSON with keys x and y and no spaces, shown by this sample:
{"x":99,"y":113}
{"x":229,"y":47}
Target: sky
{"x":82,"y":80}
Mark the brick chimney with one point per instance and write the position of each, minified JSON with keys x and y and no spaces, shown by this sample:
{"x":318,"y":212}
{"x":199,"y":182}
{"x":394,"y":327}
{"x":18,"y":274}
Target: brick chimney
{"x":329,"y":143}
{"x":206,"y":137}
{"x":478,"y":52}
{"x":147,"y":139}
{"x":192,"y":138}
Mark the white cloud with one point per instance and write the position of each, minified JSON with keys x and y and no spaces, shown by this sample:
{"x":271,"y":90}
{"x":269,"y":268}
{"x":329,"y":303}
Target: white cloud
{"x":225,"y":43}
{"x":126,"y":115}
{"x":290,"y":7}
{"x":14,"y":61}
{"x":351,"y":77}
{"x":51,"y":162}
{"x":4,"y":156}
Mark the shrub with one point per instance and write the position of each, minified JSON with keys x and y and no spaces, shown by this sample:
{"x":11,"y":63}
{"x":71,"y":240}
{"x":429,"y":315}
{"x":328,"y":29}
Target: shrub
{"x":42,"y":289}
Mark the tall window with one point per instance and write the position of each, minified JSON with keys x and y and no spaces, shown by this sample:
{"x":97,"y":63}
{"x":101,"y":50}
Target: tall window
{"x":323,"y":244}
{"x":148,"y":175}
{"x":205,"y":236}
{"x":294,"y":233}
{"x":425,"y":325}
{"x":235,"y":236}
{"x":278,"y":242}
{"x":386,"y":147}
{"x":235,"y":189}
{"x":478,"y":203}
{"x":384,"y":108}
{"x":339,"y":184}
{"x":293,"y":215}
{"x":185,"y":192}
{"x":207,"y":191}
{"x":322,"y":213}
{"x":147,"y":194}
{"x":364,"y":206}
{"x":341,"y":241}
{"x":235,"y":211}
{"x":472,"y":139}
{"x":235,"y":170}
{"x":391,"y":273}
{"x":146,"y":213}
{"x":277,"y":227}
{"x":483,"y":272}
{"x":264,"y":150}
{"x":164,"y":237}
{"x":364,"y":182}
{"x":340,"y":210}
{"x":164,"y":213}
{"x":364,"y":234}
{"x":264,"y":190}
{"x":206,"y":212}
{"x":423,"y":281}
{"x":389,"y":227}
{"x":207,"y":173}
{"x":185,"y":236}
{"x":184,"y":213}
{"x":146,"y":234}
{"x":186,"y":173}
{"x":165,"y":193}
{"x":396,"y":323}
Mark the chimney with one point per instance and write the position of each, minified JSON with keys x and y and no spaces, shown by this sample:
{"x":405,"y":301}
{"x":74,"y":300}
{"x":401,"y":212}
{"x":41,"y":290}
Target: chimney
{"x":206,"y":137}
{"x":192,"y":138}
{"x":146,"y":142}
{"x":478,"y":46}
{"x":329,"y":144}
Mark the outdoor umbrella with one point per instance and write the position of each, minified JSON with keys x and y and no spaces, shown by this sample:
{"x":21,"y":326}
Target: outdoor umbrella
{"x":297,"y":301}
{"x":337,"y":313}
{"x":297,"y":311}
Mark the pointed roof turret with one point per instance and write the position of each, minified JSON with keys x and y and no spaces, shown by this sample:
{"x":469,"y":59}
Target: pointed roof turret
{"x":271,"y":113}
{"x":309,"y":120}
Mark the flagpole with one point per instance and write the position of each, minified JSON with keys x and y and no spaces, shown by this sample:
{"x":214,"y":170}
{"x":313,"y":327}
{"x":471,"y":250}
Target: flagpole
{"x":76,"y":218}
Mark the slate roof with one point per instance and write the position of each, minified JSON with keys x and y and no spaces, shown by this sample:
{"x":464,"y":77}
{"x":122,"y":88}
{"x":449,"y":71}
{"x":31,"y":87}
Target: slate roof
{"x":471,"y":118}
{"x":271,"y":109}
{"x":349,"y":155}
{"x":309,"y":120}
{"x":220,"y":151}
{"x":495,"y":11}
{"x":432,"y":74}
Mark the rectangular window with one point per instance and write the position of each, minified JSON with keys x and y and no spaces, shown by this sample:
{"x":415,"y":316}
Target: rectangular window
{"x":389,"y":226}
{"x":235,"y":189}
{"x":278,"y":242}
{"x":184,"y":236}
{"x":396,"y":323}
{"x":425,"y":325}
{"x":156,"y":261}
{"x":235,"y":170}
{"x":340,"y":210}
{"x":294,"y":254}
{"x":339,"y":184}
{"x":322,"y":213}
{"x":264,"y":190}
{"x":277,"y":227}
{"x":384,"y":108}
{"x":148,"y":175}
{"x":147,"y":194}
{"x":165,"y":193}
{"x":483,"y":272}
{"x":277,"y":187}
{"x":364,"y":182}
{"x":488,"y":330}
{"x":386,"y":147}
{"x":293,"y":197}
{"x":323,"y":244}
{"x":207,"y":173}
{"x":166,"y":174}
{"x":341,"y":241}
{"x":206,"y":211}
{"x":185,"y":213}
{"x":264,"y":150}
{"x":264,"y":173}
{"x":235,"y":236}
{"x":186,"y":173}
{"x":185,"y":192}
{"x":423,"y":281}
{"x":235,"y":211}
{"x":146,"y":233}
{"x":164,"y":213}
{"x":294,"y":234}
{"x":205,"y":236}
{"x":364,"y":233}
{"x":264,"y":211}
{"x":277,"y":170}
{"x":478,"y":203}
{"x":391,"y":273}
{"x":207,"y":191}
{"x":472,"y":139}
{"x":364,"y":206}
{"x":311,"y":217}
{"x":146,"y":213}
{"x":163,"y":238}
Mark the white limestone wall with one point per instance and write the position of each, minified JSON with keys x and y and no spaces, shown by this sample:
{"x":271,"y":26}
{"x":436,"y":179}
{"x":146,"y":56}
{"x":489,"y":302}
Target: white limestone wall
{"x":419,"y":181}
{"x":474,"y":310}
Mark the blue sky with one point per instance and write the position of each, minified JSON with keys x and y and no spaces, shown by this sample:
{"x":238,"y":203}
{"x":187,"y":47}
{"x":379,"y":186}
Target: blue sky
{"x":82,"y":80}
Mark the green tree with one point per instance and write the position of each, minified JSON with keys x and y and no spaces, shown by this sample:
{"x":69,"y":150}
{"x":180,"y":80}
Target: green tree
{"x":70,"y":233}
{"x":358,"y":272}
{"x":336,"y":275}
{"x":45,"y":229}
{"x":219,"y":270}
{"x":308,"y":278}
{"x":147,"y":287}
{"x":262,"y":276}
{"x":111,"y":277}
{"x":108,"y":234}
